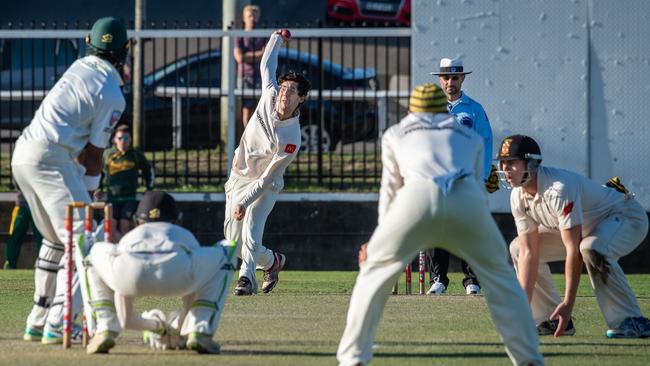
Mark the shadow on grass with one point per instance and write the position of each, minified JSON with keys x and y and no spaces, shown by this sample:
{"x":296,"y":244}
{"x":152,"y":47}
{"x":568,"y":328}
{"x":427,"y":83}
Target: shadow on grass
{"x":611,"y":343}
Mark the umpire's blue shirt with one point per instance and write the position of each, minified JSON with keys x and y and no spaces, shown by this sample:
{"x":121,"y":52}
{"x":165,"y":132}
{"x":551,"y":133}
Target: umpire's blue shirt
{"x":470,"y":113}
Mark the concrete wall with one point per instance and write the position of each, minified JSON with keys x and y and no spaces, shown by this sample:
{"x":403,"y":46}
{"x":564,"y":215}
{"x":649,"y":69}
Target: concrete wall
{"x":314,"y":235}
{"x":574,"y":75}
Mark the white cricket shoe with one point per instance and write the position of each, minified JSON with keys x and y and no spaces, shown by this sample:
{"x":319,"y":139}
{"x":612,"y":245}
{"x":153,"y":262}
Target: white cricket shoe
{"x":473,"y":289}
{"x":437,"y":289}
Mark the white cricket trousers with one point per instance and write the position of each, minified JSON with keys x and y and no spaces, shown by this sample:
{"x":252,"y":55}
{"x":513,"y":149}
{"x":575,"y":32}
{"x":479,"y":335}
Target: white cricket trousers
{"x":201,"y":277}
{"x":422,"y":217}
{"x":248,"y":232}
{"x":49,"y":179}
{"x":614,"y":237}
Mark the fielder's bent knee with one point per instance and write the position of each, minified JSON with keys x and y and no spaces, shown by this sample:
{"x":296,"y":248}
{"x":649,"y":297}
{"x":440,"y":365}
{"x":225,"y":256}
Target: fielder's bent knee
{"x":514,"y":248}
{"x":591,"y":243}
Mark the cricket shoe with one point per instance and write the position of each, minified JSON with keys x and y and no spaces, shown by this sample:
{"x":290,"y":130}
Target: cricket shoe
{"x":244,"y":287}
{"x":33,"y":334}
{"x":202,"y":343}
{"x":473,"y":289}
{"x":53,"y":333}
{"x":631,"y":327}
{"x":271,"y":277}
{"x":437,"y":289}
{"x":549,"y":327}
{"x":101,"y":342}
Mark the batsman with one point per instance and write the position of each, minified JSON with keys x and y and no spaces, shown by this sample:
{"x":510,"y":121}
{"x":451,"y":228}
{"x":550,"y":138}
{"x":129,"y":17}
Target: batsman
{"x":58,"y":160}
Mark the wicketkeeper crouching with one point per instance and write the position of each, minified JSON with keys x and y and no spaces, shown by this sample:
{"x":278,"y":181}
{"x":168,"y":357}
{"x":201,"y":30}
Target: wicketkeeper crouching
{"x":159,"y":258}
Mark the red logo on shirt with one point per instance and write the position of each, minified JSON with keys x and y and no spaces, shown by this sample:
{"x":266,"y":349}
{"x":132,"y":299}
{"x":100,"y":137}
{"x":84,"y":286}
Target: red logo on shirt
{"x":567,"y":209}
{"x":290,"y":148}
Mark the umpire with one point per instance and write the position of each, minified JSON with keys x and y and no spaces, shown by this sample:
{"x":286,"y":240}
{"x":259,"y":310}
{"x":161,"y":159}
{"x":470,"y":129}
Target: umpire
{"x":470,"y":114}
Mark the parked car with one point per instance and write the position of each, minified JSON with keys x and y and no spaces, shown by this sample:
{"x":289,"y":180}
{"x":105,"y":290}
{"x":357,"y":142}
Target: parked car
{"x":347,"y":120}
{"x":377,"y":12}
{"x":28,"y":68}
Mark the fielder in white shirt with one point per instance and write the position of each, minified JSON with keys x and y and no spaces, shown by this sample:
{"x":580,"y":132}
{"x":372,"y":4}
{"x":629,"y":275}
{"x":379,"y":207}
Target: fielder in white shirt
{"x":58,"y":160}
{"x":269,"y":144}
{"x":159,"y":258}
{"x":432,"y":173}
{"x":564,"y":216}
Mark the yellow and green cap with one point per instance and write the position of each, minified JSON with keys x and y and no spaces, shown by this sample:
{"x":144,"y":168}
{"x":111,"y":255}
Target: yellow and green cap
{"x":428,"y":98}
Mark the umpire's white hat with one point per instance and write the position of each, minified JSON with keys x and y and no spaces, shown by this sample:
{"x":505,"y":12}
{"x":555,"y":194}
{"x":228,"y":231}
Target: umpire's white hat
{"x":451,"y":66}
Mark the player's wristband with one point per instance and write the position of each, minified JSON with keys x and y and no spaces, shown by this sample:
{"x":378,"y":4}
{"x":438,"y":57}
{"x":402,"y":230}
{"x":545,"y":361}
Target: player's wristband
{"x":92,"y":181}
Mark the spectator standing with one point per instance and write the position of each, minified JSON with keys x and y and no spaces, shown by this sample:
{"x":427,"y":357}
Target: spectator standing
{"x":248,"y":53}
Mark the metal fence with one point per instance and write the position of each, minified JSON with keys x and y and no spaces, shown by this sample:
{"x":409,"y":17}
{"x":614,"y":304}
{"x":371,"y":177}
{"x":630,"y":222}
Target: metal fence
{"x":360,"y":83}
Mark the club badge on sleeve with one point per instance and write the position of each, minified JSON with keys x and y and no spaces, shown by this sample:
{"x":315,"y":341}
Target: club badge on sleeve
{"x":290,"y":148}
{"x":115,"y":116}
{"x":567,"y":209}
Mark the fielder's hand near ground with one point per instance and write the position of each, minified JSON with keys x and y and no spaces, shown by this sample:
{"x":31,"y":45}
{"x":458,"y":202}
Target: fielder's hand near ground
{"x":240,"y":212}
{"x":363,"y":253}
{"x":492,"y":183}
{"x":563,"y":313}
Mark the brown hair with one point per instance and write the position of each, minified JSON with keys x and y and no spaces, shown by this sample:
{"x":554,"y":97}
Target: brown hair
{"x":303,"y":84}
{"x":123,"y":129}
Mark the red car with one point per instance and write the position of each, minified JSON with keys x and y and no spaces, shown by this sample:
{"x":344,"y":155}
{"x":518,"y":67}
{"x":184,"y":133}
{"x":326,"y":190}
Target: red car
{"x":371,"y":11}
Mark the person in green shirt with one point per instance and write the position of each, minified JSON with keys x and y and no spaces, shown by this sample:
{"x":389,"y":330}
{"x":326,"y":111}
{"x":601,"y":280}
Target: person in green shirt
{"x":123,"y":165}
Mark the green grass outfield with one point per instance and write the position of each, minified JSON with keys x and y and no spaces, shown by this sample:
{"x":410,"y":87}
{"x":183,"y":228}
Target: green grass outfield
{"x":301,"y":322}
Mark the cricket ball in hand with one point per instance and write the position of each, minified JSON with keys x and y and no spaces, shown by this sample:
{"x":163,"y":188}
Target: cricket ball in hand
{"x":285,"y":33}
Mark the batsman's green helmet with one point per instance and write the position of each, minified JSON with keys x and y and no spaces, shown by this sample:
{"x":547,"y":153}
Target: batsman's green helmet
{"x":108,"y":37}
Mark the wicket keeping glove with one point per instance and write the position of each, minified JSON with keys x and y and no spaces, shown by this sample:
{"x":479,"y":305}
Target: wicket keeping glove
{"x":492,"y":183}
{"x":157,"y":339}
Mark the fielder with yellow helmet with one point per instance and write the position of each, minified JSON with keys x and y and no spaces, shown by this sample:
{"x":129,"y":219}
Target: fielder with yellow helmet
{"x":432,"y":174}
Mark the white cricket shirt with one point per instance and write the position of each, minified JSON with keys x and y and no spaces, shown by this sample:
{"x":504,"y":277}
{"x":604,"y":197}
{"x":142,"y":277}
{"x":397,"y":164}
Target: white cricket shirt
{"x":564,"y":199}
{"x":428,"y":147}
{"x":82,"y":107}
{"x":158,"y":237}
{"x":268,"y":145}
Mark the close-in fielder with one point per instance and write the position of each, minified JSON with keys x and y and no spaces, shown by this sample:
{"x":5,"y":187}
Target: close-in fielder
{"x":58,"y":160}
{"x":159,"y":258}
{"x":564,"y":216}
{"x":432,"y":172}
{"x":270,"y":142}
